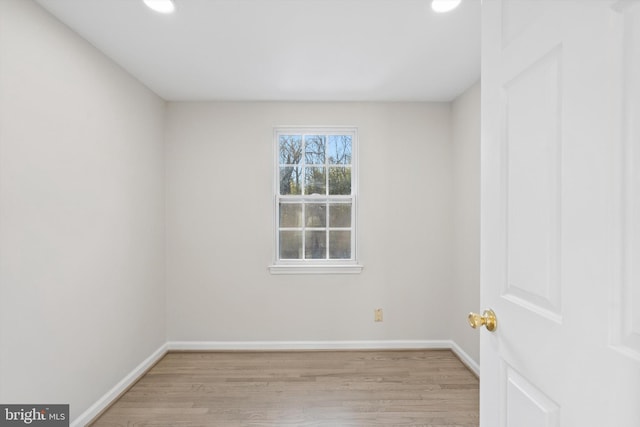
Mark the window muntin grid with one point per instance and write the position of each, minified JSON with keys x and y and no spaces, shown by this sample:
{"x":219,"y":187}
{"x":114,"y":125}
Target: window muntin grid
{"x":315,"y":195}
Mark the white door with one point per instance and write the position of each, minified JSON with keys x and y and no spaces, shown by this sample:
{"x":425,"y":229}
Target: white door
{"x":561,"y":213}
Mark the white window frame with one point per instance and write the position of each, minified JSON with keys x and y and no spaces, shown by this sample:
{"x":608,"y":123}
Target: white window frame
{"x":316,"y":266}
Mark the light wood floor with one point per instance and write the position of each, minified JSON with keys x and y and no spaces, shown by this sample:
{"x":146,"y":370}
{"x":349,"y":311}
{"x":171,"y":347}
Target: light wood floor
{"x":328,"y":388}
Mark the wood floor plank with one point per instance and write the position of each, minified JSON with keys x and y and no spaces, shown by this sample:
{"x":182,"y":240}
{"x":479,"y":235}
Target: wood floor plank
{"x":325,"y":388}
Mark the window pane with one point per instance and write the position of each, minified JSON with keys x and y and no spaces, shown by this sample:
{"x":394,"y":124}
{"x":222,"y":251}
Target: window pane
{"x":290,"y":180}
{"x":339,"y":149}
{"x":315,"y":181}
{"x":316,"y":215}
{"x":340,"y":180}
{"x":290,"y":214}
{"x":314,"y":149}
{"x":291,"y":244}
{"x":340,"y":244}
{"x":340,"y":215}
{"x":315,"y":246}
{"x":290,"y":149}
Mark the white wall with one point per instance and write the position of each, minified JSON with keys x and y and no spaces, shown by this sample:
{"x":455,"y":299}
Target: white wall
{"x":220,"y":226}
{"x":81,"y":215}
{"x":465,"y":137}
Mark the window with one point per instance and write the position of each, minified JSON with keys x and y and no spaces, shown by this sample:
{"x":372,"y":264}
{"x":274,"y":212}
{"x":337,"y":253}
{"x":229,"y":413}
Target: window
{"x":315,"y":207}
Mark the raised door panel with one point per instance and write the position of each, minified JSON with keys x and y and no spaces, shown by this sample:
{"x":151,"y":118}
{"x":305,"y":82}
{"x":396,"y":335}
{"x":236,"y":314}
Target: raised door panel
{"x":532,"y":149}
{"x":627,"y":333}
{"x":525,"y":404}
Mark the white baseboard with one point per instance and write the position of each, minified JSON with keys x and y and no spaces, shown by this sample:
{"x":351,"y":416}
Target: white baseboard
{"x":466,"y":359}
{"x":306,"y":345}
{"x":106,"y":400}
{"x":326,"y":345}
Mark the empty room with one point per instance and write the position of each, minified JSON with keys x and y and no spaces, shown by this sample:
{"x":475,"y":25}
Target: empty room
{"x":320,"y":213}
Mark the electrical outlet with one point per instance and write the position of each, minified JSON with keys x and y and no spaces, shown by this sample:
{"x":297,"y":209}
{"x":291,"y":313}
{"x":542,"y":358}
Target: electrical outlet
{"x":377,"y":315}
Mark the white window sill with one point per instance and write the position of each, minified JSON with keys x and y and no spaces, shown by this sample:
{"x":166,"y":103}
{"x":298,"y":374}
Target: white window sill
{"x":315,"y":269}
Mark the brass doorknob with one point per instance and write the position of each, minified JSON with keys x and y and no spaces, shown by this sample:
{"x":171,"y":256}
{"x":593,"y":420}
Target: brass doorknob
{"x":488,"y":319}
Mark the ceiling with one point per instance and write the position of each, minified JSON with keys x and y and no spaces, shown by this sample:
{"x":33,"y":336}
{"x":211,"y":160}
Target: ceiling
{"x":286,"y":50}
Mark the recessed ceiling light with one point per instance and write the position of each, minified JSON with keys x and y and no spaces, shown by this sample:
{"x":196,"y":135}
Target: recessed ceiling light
{"x":161,"y":6}
{"x":442,"y":6}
